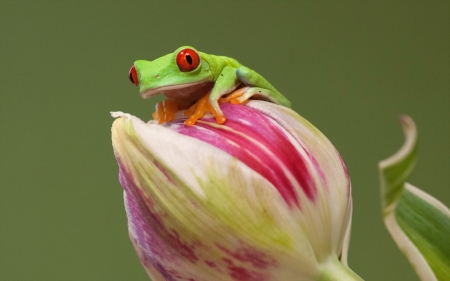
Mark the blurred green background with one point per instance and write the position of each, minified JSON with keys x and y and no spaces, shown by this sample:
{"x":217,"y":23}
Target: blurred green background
{"x":349,"y":67}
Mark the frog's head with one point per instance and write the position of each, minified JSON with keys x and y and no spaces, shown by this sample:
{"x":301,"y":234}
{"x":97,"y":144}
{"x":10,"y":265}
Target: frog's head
{"x":177,"y":75}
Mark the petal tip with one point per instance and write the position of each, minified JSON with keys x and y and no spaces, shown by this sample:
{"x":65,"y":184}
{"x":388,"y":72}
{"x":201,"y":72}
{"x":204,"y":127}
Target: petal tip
{"x":407,"y":121}
{"x":117,"y":114}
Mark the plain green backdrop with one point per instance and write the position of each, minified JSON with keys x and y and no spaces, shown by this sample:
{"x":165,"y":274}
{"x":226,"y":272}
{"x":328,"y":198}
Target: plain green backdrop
{"x":348,"y":67}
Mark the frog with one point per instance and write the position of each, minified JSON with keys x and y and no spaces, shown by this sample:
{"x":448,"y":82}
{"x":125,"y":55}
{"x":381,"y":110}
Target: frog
{"x":199,"y":82}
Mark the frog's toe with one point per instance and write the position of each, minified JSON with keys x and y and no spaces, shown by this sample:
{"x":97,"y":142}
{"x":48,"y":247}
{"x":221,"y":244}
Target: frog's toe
{"x":214,"y":108}
{"x":234,"y":96}
{"x":165,"y":111}
{"x":196,"y":111}
{"x":255,"y":93}
{"x":243,"y":98}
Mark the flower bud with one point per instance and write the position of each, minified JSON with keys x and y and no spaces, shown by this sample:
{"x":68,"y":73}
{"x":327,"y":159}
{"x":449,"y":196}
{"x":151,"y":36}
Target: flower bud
{"x":263,"y":197}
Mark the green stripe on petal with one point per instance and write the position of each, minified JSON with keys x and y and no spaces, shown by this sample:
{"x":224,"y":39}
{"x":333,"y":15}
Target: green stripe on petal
{"x":418,"y":223}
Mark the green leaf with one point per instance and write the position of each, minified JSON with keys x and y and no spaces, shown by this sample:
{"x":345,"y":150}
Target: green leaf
{"x":418,"y":223}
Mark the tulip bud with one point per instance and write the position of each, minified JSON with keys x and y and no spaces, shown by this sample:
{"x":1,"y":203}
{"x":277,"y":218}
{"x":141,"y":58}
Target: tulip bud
{"x":263,"y":197}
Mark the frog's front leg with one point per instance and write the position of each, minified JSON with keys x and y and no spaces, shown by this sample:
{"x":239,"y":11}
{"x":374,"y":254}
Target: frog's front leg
{"x":259,"y":87}
{"x":224,"y":84}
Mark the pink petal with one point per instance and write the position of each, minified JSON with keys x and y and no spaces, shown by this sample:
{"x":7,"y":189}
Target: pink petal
{"x":261,"y":144}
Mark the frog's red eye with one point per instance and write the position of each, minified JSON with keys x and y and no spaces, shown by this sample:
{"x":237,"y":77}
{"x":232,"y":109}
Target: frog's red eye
{"x":133,"y":75}
{"x":187,"y":60}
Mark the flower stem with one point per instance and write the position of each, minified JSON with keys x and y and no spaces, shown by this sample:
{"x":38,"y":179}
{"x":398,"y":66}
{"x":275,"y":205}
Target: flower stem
{"x":333,"y":270}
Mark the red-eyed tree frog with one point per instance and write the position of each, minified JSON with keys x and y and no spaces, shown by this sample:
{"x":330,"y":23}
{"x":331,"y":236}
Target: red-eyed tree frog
{"x":189,"y":78}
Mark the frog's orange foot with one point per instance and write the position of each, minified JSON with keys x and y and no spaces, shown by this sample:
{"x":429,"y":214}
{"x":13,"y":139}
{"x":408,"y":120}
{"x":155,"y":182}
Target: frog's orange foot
{"x":202,"y":106}
{"x":234,"y":97}
{"x":165,"y":111}
{"x":198,"y":109}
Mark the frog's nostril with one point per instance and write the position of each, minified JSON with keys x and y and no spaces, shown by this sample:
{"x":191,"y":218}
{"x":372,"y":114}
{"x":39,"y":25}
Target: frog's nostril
{"x":133,"y":75}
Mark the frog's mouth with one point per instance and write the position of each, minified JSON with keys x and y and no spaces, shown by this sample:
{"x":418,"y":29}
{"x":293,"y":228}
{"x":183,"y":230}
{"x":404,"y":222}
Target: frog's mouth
{"x":185,"y":94}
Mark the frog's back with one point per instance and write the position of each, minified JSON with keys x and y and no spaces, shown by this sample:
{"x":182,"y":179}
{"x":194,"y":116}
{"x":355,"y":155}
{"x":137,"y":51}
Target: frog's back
{"x":218,"y":63}
{"x":231,"y":62}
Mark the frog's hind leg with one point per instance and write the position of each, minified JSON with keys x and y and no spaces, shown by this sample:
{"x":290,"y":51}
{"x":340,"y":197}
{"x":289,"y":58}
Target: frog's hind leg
{"x":259,"y":87}
{"x":256,"y":93}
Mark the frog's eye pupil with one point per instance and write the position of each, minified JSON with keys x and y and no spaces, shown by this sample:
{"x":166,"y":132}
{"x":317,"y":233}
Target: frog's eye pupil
{"x":188,"y":60}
